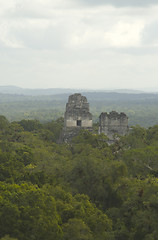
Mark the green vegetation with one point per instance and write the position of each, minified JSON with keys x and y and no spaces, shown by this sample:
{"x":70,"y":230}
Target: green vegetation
{"x":141,"y":109}
{"x":85,"y":190}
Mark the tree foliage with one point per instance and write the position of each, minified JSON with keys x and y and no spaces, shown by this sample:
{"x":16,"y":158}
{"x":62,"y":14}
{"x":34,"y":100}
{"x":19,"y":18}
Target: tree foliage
{"x":86,"y":189}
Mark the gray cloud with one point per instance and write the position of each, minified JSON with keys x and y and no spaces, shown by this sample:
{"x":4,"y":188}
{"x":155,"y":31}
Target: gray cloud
{"x":137,"y":51}
{"x":81,"y":69}
{"x":49,"y":44}
{"x":120,"y":3}
{"x":150,"y":34}
{"x":2,"y":45}
{"x":48,"y":38}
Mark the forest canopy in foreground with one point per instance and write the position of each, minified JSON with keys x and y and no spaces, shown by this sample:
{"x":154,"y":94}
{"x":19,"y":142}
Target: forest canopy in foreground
{"x":83,"y":190}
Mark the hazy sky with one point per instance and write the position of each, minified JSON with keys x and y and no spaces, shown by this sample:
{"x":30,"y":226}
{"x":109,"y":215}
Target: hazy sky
{"x":98,"y":44}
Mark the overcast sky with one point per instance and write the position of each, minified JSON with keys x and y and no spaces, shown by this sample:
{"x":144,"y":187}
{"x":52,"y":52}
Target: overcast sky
{"x":96,"y":44}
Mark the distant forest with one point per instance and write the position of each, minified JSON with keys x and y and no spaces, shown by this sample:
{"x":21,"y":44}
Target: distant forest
{"x":141,"y":108}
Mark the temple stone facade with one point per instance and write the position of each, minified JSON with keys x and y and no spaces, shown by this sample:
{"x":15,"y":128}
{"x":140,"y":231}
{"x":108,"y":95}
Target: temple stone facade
{"x":113,"y":123}
{"x":77,"y":117}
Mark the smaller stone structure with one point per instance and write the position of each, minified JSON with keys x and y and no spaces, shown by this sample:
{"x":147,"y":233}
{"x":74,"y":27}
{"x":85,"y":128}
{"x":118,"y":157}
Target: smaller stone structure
{"x":113,"y":123}
{"x":77,"y":117}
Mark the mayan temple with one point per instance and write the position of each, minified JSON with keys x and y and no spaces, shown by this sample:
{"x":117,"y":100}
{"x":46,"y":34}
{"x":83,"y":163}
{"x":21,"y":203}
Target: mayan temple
{"x":113,"y":123}
{"x":77,"y":117}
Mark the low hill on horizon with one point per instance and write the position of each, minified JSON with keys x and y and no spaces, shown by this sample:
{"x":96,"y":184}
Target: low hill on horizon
{"x":55,"y":91}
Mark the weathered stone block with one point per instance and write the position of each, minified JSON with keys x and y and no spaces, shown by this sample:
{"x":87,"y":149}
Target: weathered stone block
{"x":113,"y":123}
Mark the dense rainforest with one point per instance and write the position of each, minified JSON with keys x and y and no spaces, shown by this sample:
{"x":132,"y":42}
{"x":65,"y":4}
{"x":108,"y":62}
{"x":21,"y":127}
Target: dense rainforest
{"x":141,"y":108}
{"x":83,"y":190}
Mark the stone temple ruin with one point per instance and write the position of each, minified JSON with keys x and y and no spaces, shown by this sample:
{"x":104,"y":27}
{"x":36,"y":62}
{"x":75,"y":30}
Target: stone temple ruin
{"x":113,"y":123}
{"x":77,"y":117}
